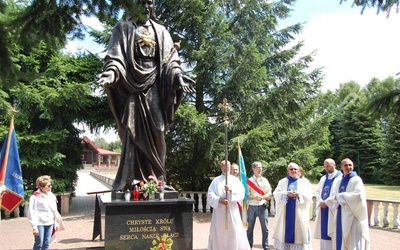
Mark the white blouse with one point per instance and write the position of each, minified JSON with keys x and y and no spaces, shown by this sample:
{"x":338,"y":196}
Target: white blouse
{"x":42,"y":209}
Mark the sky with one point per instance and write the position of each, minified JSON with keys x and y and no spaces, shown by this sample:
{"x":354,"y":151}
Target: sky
{"x":348,"y":45}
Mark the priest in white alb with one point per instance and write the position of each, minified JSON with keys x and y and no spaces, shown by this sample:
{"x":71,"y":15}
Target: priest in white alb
{"x":349,"y":228}
{"x":293,"y":198}
{"x":323,"y":211}
{"x":226,"y":231}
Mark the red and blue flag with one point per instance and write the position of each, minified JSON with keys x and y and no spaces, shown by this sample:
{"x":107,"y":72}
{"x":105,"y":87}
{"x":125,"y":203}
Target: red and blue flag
{"x":11,"y":173}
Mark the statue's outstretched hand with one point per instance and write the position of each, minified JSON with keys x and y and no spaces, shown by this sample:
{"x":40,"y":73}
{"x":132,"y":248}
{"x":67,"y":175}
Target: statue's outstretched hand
{"x":186,"y":83}
{"x":106,"y":77}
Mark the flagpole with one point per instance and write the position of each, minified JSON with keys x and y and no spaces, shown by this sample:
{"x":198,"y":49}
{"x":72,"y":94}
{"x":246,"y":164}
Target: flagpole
{"x":6,"y":153}
{"x":4,"y":163}
{"x":240,"y":178}
{"x":238,"y":147}
{"x":225,"y":105}
{"x":243,"y":180}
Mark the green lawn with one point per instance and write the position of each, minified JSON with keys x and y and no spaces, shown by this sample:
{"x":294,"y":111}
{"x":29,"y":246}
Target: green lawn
{"x":381,"y":192}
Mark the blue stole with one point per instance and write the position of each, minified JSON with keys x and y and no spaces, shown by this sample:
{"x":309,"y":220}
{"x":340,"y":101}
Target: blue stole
{"x":290,"y":211}
{"x":342,"y":188}
{"x":326,"y":191}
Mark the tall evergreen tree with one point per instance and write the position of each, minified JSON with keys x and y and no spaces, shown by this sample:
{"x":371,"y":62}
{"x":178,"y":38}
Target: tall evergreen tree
{"x":390,"y":171}
{"x":235,"y":50}
{"x":383,"y":106}
{"x":360,"y":138}
{"x":384,"y":97}
{"x":49,"y":107}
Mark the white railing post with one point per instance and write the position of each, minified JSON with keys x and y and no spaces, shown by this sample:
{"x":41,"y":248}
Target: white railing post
{"x":385,"y":214}
{"x":200,"y":198}
{"x":272,"y":206}
{"x":377,"y":219}
{"x":395,"y":215}
{"x":314,"y":208}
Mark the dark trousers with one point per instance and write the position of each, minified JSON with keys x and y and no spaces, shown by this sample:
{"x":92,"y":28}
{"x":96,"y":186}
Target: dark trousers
{"x":262,"y":213}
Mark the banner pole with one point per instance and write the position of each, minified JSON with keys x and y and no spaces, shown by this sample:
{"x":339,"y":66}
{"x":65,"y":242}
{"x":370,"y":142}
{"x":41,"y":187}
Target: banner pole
{"x":6,"y":153}
{"x":4,"y":163}
{"x":227,"y":170}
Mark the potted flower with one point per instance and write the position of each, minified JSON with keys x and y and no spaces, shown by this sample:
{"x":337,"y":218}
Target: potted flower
{"x":150,"y":187}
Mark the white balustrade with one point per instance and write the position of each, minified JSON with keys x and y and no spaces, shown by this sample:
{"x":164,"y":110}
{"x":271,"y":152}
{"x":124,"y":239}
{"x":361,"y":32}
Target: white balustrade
{"x":389,"y":211}
{"x":390,"y":208}
{"x":201,"y":205}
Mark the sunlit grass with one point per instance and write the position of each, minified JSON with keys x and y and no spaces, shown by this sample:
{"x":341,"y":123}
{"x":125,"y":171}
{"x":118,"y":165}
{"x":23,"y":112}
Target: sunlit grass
{"x":380,"y":192}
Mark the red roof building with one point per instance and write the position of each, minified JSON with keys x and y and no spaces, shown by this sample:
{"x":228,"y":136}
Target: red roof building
{"x":97,"y":157}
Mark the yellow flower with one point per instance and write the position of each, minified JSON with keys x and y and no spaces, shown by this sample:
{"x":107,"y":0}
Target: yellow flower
{"x":163,"y":243}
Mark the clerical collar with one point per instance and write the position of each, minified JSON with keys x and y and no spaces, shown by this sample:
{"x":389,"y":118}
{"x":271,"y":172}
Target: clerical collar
{"x":331,"y":175}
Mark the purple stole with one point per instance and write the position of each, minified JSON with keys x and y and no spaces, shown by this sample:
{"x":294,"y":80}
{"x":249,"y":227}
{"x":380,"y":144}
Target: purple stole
{"x":342,"y":188}
{"x":326,"y":191}
{"x":290,"y":211}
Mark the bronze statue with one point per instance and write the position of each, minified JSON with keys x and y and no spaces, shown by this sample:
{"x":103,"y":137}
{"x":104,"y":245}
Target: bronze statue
{"x":144,"y":84}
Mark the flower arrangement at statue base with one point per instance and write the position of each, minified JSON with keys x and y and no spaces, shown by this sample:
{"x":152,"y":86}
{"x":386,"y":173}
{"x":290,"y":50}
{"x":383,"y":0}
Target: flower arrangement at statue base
{"x":162,"y":243}
{"x":150,"y":187}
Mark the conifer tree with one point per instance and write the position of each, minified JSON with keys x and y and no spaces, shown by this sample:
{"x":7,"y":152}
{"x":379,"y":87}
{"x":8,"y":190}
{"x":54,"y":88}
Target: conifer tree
{"x":235,"y":51}
{"x":389,"y":173}
{"x":360,"y":137}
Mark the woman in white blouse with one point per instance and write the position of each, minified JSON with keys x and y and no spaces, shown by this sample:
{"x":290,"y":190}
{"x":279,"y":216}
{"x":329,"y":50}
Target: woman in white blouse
{"x":42,"y":212}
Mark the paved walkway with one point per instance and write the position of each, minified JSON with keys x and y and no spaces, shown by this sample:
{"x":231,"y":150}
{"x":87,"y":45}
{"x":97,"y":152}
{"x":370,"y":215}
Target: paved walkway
{"x":16,"y":233}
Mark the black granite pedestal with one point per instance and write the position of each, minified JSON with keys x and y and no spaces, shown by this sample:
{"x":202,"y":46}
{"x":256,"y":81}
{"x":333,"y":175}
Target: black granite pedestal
{"x":135,"y":224}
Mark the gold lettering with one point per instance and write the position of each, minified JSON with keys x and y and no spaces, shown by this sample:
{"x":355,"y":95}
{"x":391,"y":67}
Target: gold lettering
{"x":138,"y":222}
{"x":128,"y":237}
{"x":173,"y":235}
{"x":142,"y":229}
{"x":149,"y":236}
{"x":164,"y":221}
{"x":165,"y":228}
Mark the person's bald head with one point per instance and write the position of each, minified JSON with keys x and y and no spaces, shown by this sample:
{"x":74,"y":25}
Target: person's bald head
{"x":329,"y":165}
{"x":225,"y":166}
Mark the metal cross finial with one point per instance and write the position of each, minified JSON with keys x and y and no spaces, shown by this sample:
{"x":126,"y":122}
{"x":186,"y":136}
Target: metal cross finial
{"x":14,"y":110}
{"x":225,"y":106}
